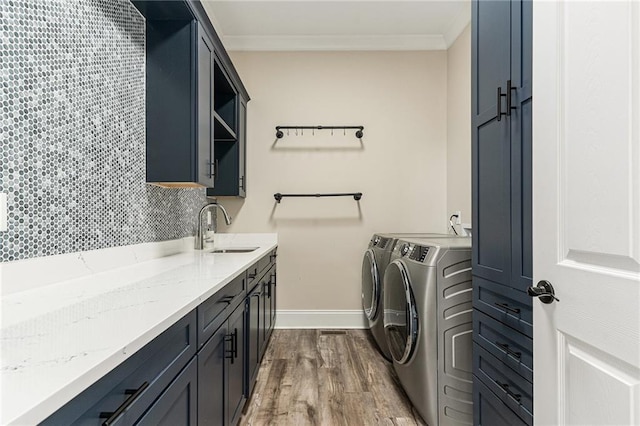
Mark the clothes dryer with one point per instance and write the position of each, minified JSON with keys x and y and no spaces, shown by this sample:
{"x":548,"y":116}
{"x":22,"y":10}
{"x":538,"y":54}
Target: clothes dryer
{"x":428,"y":326}
{"x":374,"y":264}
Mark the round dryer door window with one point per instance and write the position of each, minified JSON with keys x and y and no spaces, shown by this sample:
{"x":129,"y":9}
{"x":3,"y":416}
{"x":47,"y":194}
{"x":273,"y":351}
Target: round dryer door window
{"x":400,"y":313}
{"x":370,"y":285}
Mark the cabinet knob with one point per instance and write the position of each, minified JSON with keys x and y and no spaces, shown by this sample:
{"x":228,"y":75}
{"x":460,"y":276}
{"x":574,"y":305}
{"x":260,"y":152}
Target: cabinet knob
{"x":543,"y":291}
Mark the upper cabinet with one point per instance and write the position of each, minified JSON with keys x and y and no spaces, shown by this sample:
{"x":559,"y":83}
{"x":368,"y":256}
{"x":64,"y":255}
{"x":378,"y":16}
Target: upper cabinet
{"x":501,"y":134}
{"x":196,"y":103}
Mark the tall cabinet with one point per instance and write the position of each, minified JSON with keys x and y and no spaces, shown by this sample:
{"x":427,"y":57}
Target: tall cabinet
{"x":501,"y":191}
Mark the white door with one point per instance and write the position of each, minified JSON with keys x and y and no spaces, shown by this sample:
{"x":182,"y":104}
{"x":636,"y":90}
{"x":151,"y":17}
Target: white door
{"x":586,"y":211}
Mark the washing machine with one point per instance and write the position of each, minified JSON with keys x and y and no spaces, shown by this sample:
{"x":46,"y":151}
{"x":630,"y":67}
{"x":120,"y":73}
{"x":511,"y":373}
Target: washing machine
{"x":428,"y":325}
{"x":374,"y":264}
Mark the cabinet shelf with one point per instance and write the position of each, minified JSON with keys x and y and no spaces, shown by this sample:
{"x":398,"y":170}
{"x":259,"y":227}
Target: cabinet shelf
{"x":222,"y":132}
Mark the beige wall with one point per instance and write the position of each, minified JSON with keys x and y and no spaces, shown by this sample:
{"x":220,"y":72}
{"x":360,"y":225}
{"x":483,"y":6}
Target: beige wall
{"x":401,"y":166}
{"x":459,"y":126}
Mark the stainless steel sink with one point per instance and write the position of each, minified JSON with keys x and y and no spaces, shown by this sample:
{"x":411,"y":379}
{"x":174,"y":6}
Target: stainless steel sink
{"x":234,"y":250}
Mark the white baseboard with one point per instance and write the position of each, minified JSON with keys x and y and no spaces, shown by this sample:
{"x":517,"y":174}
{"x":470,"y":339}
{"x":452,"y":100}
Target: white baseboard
{"x":321,"y":319}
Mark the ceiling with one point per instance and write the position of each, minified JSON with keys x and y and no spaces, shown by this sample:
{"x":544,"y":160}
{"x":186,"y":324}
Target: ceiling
{"x":338,"y":25}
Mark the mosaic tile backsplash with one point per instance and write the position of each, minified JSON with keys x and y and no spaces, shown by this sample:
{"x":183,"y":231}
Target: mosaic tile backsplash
{"x":72,"y":132}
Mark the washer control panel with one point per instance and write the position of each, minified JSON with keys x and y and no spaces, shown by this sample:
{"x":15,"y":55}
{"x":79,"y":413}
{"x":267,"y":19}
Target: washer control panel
{"x":413,"y":251}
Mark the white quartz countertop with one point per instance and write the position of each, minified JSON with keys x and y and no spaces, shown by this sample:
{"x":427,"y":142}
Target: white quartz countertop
{"x":58,"y":339}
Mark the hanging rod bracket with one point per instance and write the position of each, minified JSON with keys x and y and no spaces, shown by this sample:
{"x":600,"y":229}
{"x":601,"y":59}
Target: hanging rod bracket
{"x":356,"y":195}
{"x":359,"y":129}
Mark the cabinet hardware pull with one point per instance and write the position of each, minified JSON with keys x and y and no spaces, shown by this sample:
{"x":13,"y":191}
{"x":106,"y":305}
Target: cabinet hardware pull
{"x":133,"y":395}
{"x":252,"y":276}
{"x":226,"y":299}
{"x":499,"y":104}
{"x":506,"y":307}
{"x":510,"y":90}
{"x":507,"y":350}
{"x":509,"y":392}
{"x":235,"y":343}
{"x":230,"y":353}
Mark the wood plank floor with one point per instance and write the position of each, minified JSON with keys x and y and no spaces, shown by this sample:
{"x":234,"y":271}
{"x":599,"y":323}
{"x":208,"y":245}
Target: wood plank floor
{"x":327,"y":377}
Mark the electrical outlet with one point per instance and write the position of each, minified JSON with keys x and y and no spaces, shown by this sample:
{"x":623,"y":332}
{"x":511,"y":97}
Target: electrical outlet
{"x":3,"y":213}
{"x":458,"y":217}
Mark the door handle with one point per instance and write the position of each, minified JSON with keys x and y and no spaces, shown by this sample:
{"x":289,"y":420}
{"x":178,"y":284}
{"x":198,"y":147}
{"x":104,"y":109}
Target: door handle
{"x":543,"y":291}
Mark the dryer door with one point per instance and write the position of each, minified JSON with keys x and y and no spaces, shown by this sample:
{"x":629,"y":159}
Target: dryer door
{"x":370,"y":284}
{"x":400,"y":312}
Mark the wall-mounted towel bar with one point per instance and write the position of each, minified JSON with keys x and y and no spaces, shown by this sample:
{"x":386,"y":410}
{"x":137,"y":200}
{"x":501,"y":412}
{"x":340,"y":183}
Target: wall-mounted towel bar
{"x":356,"y":195}
{"x":280,"y":133}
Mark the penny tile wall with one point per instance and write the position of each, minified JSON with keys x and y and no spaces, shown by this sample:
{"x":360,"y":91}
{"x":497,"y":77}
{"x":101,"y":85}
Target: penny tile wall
{"x":72,"y":132}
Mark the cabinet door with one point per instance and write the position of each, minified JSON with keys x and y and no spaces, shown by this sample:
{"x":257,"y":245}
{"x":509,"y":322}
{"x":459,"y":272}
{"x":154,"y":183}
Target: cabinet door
{"x":242,"y":149}
{"x":236,"y":367}
{"x":177,"y":405}
{"x":521,"y":158}
{"x":489,"y":410}
{"x":274,"y":279}
{"x":264,"y":305}
{"x":491,"y":154}
{"x":204,"y":152}
{"x":267,"y":309}
{"x":253,"y":337}
{"x":211,"y":378}
{"x":269,"y":305}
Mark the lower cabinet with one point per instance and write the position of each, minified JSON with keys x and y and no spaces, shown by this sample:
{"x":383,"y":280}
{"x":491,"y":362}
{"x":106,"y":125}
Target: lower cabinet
{"x":220,"y":373}
{"x":253,"y":313}
{"x":268,"y":307}
{"x":489,"y":409}
{"x":198,"y":372}
{"x":128,"y":392}
{"x":177,"y":405}
{"x":260,"y":314}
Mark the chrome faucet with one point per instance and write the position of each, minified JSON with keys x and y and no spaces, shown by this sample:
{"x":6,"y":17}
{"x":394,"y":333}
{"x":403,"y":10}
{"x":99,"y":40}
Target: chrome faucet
{"x":200,"y":235}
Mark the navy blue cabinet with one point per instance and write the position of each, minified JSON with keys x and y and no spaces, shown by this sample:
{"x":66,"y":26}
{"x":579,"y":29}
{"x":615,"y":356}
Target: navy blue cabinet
{"x":221,"y":373}
{"x":196,"y":102}
{"x":200,"y":371}
{"x":254,"y":312}
{"x":260,"y":315}
{"x":211,"y":383}
{"x":128,"y":391}
{"x":178,"y":403}
{"x":230,"y":159}
{"x":268,"y":306}
{"x":501,"y":198}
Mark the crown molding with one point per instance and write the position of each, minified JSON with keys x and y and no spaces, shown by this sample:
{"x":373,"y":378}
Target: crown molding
{"x":457,"y":26}
{"x":334,"y":43}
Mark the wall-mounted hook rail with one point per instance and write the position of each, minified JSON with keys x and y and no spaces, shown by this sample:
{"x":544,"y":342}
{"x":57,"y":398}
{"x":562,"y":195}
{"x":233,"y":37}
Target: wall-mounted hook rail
{"x":356,"y":195}
{"x":280,"y":133}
